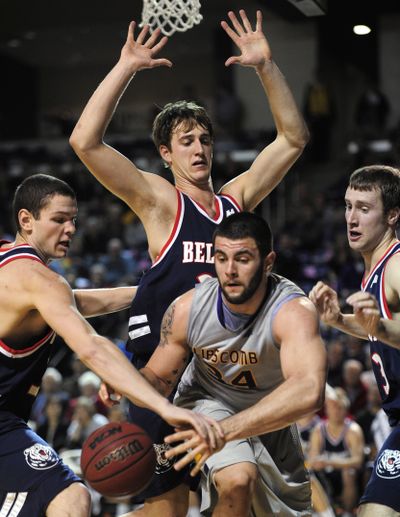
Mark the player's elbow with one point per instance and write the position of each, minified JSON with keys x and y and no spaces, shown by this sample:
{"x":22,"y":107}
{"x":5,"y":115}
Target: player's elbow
{"x":314,"y":397}
{"x":80,"y":142}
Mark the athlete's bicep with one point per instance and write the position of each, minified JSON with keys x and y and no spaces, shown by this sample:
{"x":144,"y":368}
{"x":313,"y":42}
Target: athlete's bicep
{"x":51,"y":295}
{"x":296,"y":328}
{"x":171,"y":356}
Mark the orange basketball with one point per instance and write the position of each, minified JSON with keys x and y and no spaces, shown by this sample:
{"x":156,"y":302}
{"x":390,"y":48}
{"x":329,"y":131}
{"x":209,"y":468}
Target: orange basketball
{"x":118,"y":459}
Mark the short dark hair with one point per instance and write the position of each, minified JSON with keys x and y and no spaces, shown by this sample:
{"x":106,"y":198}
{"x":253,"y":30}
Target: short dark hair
{"x":175,"y":113}
{"x":246,"y":224}
{"x":35,"y":192}
{"x":384,"y":178}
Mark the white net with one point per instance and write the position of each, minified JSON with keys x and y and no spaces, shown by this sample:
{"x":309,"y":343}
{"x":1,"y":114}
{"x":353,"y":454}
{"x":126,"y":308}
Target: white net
{"x":171,"y":15}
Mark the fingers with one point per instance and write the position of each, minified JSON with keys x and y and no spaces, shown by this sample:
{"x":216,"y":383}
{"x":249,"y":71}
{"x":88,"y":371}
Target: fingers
{"x":235,"y":22}
{"x":245,"y":20}
{"x":259,"y":21}
{"x":131,"y":31}
{"x":108,"y":396}
{"x":142,"y":35}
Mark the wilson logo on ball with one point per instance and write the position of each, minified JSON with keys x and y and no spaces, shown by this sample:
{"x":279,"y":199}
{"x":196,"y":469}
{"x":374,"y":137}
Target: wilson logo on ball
{"x":120,"y":454}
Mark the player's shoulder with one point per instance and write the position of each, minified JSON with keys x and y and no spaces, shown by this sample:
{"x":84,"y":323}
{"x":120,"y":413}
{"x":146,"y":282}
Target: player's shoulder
{"x":392,"y":272}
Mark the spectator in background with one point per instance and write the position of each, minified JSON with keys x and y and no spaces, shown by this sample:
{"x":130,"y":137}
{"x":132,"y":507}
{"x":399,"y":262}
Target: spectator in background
{"x":119,"y":263}
{"x":353,"y":385}
{"x":319,"y":112}
{"x":337,"y":449}
{"x":336,"y":358}
{"x":52,"y":384}
{"x":84,"y":421}
{"x":372,"y":113}
{"x":54,"y":426}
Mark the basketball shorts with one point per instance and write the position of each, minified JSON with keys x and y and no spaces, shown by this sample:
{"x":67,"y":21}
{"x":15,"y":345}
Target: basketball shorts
{"x":283,"y":486}
{"x":383,"y":485}
{"x":165,"y":477}
{"x":31,"y":473}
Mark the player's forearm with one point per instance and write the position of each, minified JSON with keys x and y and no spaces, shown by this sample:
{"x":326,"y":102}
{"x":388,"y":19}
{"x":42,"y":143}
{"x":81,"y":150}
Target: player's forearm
{"x":111,"y":365}
{"x":348,"y":324}
{"x":285,"y":405}
{"x":95,"y":302}
{"x":287,"y":117}
{"x":93,"y":122}
{"x":163,"y":387}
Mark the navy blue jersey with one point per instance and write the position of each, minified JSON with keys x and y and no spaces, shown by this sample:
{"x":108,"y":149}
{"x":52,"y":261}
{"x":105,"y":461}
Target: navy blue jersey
{"x":186,"y":259}
{"x":22,"y":367}
{"x":335,"y":447}
{"x":385,"y":359}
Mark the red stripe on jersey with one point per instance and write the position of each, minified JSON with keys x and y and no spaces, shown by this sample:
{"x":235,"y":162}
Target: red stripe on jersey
{"x":386,"y":311}
{"x":365,"y":281}
{"x":12,"y":352}
{"x":174,"y":229}
{"x":233,"y":201}
{"x":21,"y":256}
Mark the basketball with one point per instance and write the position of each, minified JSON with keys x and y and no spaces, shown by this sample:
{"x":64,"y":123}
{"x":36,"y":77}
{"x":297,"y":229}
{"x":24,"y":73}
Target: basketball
{"x":118,"y":459}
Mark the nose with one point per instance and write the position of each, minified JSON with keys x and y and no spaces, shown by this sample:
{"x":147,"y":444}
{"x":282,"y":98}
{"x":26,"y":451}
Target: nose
{"x":198,"y":147}
{"x":70,"y":228}
{"x":231,"y":270}
{"x":351,"y":217}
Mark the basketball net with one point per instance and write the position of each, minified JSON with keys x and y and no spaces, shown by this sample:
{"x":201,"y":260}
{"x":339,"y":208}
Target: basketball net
{"x":171,"y":15}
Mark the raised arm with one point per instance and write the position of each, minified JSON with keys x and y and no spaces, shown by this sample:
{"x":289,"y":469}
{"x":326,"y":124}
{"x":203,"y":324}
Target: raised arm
{"x":50,"y":294}
{"x":96,"y":302}
{"x":268,"y":169}
{"x":143,"y":192}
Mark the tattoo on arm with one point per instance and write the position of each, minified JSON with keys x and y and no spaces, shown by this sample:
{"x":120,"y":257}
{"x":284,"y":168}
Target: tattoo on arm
{"x":166,"y":324}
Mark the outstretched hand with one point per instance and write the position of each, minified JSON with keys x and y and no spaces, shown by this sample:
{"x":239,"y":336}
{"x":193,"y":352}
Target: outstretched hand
{"x":203,"y":430}
{"x":253,"y":45}
{"x":140,"y":53}
{"x":366,"y":311}
{"x":194,"y":447}
{"x":326,"y":301}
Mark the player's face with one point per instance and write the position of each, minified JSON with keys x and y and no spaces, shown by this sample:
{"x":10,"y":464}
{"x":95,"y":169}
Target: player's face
{"x":241,"y":272}
{"x":51,"y":234}
{"x":367,"y":226}
{"x":190,"y":156}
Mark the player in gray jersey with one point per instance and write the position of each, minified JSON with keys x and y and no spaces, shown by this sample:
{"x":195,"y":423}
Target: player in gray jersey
{"x":258,"y":365}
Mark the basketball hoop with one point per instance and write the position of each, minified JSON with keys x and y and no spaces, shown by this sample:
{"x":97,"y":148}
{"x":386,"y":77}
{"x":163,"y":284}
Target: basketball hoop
{"x":171,"y":15}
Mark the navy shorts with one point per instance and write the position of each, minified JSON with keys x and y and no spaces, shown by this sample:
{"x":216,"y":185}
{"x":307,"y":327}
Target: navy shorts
{"x":384,"y":483}
{"x":165,"y":477}
{"x":31,"y":472}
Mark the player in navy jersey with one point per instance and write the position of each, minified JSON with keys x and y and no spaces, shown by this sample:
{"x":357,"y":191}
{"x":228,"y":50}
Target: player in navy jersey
{"x":35,"y":304}
{"x":179,"y":219}
{"x":372,"y":214}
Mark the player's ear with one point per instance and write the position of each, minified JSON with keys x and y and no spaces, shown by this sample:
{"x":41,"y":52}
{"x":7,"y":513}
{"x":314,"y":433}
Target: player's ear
{"x":165,"y":154}
{"x":394,"y":216}
{"x":25,"y":219}
{"x":269,"y":261}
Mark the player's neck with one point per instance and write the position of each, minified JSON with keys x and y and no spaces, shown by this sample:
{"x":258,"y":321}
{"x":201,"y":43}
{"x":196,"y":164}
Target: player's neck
{"x":373,"y":257}
{"x":202,"y":194}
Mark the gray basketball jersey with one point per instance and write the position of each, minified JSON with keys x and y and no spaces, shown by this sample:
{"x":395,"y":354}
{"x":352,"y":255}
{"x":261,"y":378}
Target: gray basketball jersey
{"x":236,"y":367}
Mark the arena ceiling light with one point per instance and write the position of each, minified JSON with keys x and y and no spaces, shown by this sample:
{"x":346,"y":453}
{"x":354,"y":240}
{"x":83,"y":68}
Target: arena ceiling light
{"x":361,"y":30}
